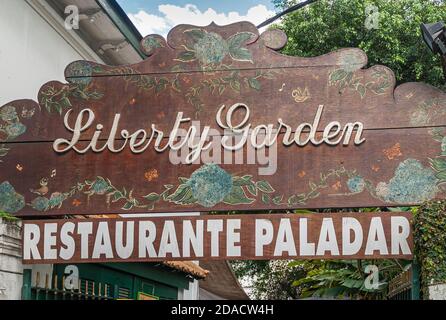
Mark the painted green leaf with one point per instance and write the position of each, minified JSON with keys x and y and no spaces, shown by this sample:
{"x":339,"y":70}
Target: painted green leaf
{"x":117,"y":196}
{"x":242,"y":181}
{"x":128,"y":206}
{"x":265,"y":187}
{"x":235,"y":85}
{"x":153,"y":197}
{"x":338,"y":75}
{"x":187,"y":56}
{"x":177,"y":68}
{"x":266,"y":199}
{"x":97,"y":69}
{"x":277,"y":200}
{"x":196,"y":34}
{"x":153,"y":43}
{"x":361,"y":89}
{"x":237,"y":197}
{"x":255,"y":84}
{"x":183,"y":180}
{"x":238,"y":39}
{"x":252,"y":189}
{"x":188,"y":198}
{"x":183,"y":195}
{"x":441,"y":176}
{"x":241,"y":54}
{"x":439,"y":165}
{"x":176,"y":85}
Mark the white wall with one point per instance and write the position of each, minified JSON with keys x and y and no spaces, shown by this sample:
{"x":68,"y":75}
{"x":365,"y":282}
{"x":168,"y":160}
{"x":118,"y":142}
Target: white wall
{"x":31,"y":52}
{"x":11,"y":269}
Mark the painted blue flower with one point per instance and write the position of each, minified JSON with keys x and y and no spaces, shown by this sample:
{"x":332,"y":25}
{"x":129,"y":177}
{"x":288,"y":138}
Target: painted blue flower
{"x":40,"y":204}
{"x":356,"y":184}
{"x":56,"y":200}
{"x":15,"y":129}
{"x":210,"y":185}
{"x":100,"y":186}
{"x":211,"y":49}
{"x":10,"y":200}
{"x":8,"y":113}
{"x":79,"y":72}
{"x":413,"y":183}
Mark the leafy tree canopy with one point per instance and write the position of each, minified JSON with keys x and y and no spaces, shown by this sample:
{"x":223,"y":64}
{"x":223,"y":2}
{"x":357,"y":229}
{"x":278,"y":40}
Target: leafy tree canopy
{"x":328,"y":25}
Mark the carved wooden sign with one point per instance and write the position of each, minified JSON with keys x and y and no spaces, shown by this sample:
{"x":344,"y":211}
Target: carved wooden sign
{"x":281,"y":132}
{"x":240,"y":237}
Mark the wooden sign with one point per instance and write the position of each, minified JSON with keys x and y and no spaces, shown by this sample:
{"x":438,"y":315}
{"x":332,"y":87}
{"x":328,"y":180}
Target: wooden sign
{"x":319,"y":132}
{"x":239,"y":237}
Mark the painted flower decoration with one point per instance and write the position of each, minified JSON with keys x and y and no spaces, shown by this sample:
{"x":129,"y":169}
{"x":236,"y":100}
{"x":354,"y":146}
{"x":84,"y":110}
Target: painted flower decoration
{"x":15,"y":129}
{"x":412,"y":183}
{"x":351,"y":62}
{"x":100,"y":186}
{"x":150,"y":43}
{"x":56,"y":200}
{"x":151,"y":175}
{"x":382,"y":190}
{"x":40,"y":204}
{"x":8,"y":113}
{"x":356,"y":184}
{"x":210,"y":185}
{"x":210,"y":49}
{"x":80,"y":72}
{"x":10,"y":200}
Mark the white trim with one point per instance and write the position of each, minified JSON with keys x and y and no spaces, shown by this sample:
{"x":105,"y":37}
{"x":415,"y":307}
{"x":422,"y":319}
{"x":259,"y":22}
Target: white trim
{"x":58,"y":24}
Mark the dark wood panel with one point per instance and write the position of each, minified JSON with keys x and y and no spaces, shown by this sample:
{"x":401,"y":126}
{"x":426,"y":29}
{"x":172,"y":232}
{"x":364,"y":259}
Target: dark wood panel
{"x":292,"y":95}
{"x":392,"y":168}
{"x":196,"y":72}
{"x":314,"y":236}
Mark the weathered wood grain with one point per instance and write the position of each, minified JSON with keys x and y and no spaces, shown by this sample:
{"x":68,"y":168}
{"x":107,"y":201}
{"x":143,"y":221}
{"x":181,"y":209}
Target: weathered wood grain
{"x":402,"y":161}
{"x":392,"y":168}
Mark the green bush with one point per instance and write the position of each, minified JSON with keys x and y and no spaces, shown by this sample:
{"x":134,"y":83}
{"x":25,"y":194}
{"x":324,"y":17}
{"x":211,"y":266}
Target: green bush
{"x":430,"y":243}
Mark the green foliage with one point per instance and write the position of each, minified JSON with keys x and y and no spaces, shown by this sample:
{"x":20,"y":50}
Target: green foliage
{"x":430,"y":242}
{"x":269,"y":280}
{"x":328,"y":25}
{"x":7,"y":217}
{"x":343,"y":279}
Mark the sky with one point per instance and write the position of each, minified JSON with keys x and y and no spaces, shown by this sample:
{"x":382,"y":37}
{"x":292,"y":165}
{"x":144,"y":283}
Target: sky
{"x":159,"y":16}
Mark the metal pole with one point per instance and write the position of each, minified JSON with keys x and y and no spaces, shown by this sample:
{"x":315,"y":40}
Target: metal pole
{"x":416,"y":274}
{"x":443,"y":61}
{"x":285,"y":12}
